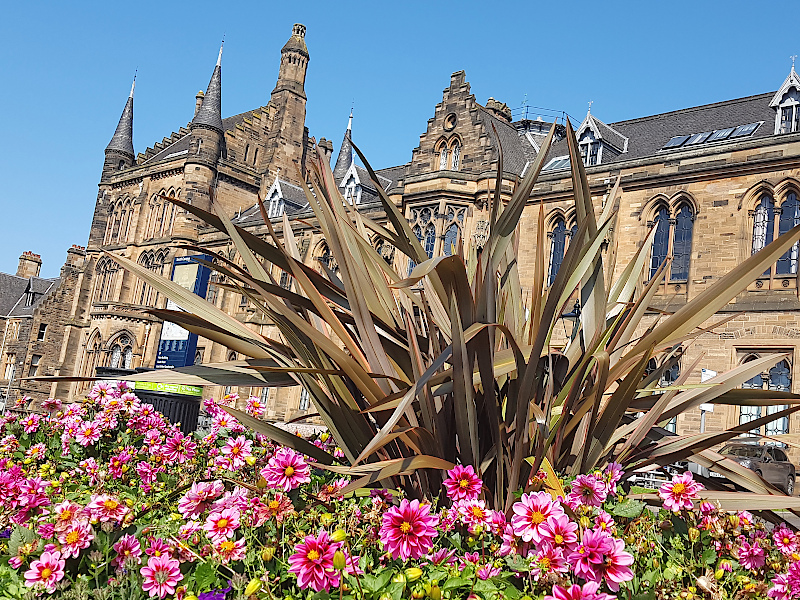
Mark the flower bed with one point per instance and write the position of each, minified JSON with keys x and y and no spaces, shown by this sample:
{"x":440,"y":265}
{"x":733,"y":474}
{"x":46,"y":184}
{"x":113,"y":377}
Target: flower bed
{"x":106,"y":499}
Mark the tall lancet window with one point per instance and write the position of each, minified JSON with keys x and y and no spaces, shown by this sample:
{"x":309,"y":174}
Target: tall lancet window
{"x":558,"y":245}
{"x":430,"y":240}
{"x":682,"y":244}
{"x":763,"y":223}
{"x":456,"y":156}
{"x":790,"y":217}
{"x":660,"y":241}
{"x":443,"y":158}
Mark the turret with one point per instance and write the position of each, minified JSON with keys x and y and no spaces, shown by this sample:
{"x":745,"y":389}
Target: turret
{"x":206,"y":142}
{"x":119,"y":152}
{"x":345,"y":158}
{"x":294,"y":62}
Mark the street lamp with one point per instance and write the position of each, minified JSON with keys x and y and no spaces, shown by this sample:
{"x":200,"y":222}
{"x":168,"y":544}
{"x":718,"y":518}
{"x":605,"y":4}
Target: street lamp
{"x":575,"y":316}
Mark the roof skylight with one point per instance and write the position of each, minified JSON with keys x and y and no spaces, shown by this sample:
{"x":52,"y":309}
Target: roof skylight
{"x":676,"y":141}
{"x":743,"y":130}
{"x":720,"y":134}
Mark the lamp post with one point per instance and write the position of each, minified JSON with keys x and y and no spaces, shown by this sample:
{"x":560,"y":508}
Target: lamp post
{"x":575,"y":316}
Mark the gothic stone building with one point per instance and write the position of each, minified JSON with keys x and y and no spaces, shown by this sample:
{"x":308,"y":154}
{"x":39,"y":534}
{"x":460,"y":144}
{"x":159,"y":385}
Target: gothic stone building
{"x":717,"y":181}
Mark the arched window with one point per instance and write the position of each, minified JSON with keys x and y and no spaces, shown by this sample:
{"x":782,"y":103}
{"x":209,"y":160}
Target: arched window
{"x":112,"y":215}
{"x":682,"y":244}
{"x":661,"y":240}
{"x":790,"y":217}
{"x":450,"y":239}
{"x":116,"y":356}
{"x":246,"y":152}
{"x":417,"y":230}
{"x":558,"y":246}
{"x":127,"y":356}
{"x":430,"y":240}
{"x":763,"y":223}
{"x":255,"y":156}
{"x":443,"y":158}
{"x":275,"y":205}
{"x":106,"y":274}
{"x":780,"y":380}
{"x":456,"y":155}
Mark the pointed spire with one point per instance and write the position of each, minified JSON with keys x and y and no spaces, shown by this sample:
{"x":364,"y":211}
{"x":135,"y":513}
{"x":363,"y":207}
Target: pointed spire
{"x":210,"y":113}
{"x":122,"y":141}
{"x":345,"y":158}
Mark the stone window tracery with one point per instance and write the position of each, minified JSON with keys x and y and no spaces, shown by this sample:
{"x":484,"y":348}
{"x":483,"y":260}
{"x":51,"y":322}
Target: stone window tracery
{"x":673,"y":237}
{"x":105,"y":272}
{"x":777,"y":378}
{"x":789,"y":218}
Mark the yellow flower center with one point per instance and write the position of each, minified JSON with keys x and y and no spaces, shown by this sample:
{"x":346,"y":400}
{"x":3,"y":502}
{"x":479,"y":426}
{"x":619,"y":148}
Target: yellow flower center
{"x":235,"y":450}
{"x":46,"y":573}
{"x":226,"y":546}
{"x":477,"y":512}
{"x":463,"y":483}
{"x":222,"y":523}
{"x":537,"y":518}
{"x":544,"y":563}
{"x":405,"y":527}
{"x":786,"y":540}
{"x":72,"y":537}
{"x":312,"y":555}
{"x":274,"y":505}
{"x":559,"y":539}
{"x":678,"y":488}
{"x":157,"y":553}
{"x":65,"y":516}
{"x":111,"y":504}
{"x":289,"y":471}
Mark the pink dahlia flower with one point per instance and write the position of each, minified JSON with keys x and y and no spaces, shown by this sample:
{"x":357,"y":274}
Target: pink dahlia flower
{"x":67,"y":514}
{"x":221,"y":525}
{"x":785,"y":540}
{"x":46,"y":572}
{"x":237,"y":451}
{"x":588,"y":558}
{"x":229,"y":550}
{"x":462,"y":483}
{"x":487,"y":572}
{"x":679,"y":493}
{"x":312,"y":562}
{"x":751,"y":556}
{"x":558,"y":531}
{"x":780,"y":590}
{"x":74,"y":539}
{"x":531,"y":512}
{"x":179,"y":448}
{"x":588,"y":490}
{"x":107,"y":508}
{"x":195,"y":501}
{"x":158,"y":547}
{"x":31,"y":423}
{"x":615,"y":567}
{"x":474,"y":512}
{"x":408,"y":530}
{"x":161,"y":575}
{"x":128,"y":547}
{"x":286,"y":470}
{"x":548,"y":560}
{"x":88,"y":433}
{"x":576,"y":592}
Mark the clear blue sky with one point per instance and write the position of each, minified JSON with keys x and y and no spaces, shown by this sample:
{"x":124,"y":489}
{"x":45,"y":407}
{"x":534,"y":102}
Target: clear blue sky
{"x":66,"y":70}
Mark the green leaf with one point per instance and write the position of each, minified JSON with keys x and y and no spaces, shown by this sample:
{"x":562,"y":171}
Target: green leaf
{"x":19,"y":536}
{"x":629,"y":509}
{"x":709,"y":556}
{"x":205,"y":575}
{"x":455,"y":582}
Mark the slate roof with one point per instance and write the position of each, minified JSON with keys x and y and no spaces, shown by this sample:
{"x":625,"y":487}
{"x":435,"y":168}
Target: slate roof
{"x":294,"y":202}
{"x":393,"y":174}
{"x":122,"y":140}
{"x":13,"y":291}
{"x":517,"y":150}
{"x":647,"y":135}
{"x":182,"y":144}
{"x":210,"y":113}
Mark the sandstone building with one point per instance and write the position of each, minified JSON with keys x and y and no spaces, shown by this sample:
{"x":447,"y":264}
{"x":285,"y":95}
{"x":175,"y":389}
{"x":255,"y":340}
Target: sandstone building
{"x":717,"y":181}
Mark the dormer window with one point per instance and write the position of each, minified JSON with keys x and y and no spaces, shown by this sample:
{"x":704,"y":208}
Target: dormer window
{"x":275,"y":208}
{"x":786,"y":103}
{"x":352,"y":191}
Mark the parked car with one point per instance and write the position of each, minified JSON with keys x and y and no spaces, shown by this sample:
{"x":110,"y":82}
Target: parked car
{"x":768,"y":461}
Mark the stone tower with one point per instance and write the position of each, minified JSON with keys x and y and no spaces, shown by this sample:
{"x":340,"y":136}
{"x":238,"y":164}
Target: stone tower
{"x":119,"y":152}
{"x":287,"y":139}
{"x":206,"y":145}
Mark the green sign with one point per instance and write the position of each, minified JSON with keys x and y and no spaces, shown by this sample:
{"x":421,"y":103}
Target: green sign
{"x":170,"y":388}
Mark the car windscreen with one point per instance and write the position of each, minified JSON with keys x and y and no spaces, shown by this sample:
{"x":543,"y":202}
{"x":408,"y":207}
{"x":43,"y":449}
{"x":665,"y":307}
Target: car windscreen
{"x":743,"y":451}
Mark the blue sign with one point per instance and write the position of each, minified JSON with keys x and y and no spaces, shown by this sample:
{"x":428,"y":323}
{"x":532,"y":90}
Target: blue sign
{"x":177,"y":346}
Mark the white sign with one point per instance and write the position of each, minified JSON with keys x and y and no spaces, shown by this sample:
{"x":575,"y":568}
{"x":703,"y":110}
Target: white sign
{"x":707,"y":407}
{"x":706,"y":374}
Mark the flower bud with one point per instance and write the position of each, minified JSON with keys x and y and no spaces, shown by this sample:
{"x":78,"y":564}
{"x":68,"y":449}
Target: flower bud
{"x":339,"y":562}
{"x":254,"y":586}
{"x":339,"y":535}
{"x":413,"y":573}
{"x":268,"y":554}
{"x":733,"y":521}
{"x":694,"y":534}
{"x":718,"y":574}
{"x":190,"y":597}
{"x":435,"y":593}
{"x":325,"y":518}
{"x":586,"y":523}
{"x":250,"y":460}
{"x":399,"y":578}
{"x":324,"y":437}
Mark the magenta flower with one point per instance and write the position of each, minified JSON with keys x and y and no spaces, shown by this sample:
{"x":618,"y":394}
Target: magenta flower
{"x":588,"y":557}
{"x":408,"y":530}
{"x":67,"y":514}
{"x":613,"y":473}
{"x":785,"y":540}
{"x":46,"y":572}
{"x":487,"y":572}
{"x":560,"y":532}
{"x":615,"y":567}
{"x":679,"y":493}
{"x":107,"y":508}
{"x":576,"y":592}
{"x":604,"y":521}
{"x":179,"y":448}
{"x":286,"y":470}
{"x":312,"y":562}
{"x":237,"y":451}
{"x":531,"y":512}
{"x":230,"y":550}
{"x":199,"y":497}
{"x":752,"y":556}
{"x":88,"y":434}
{"x":158,"y":547}
{"x":221,"y":525}
{"x":548,"y":560}
{"x":161,"y":575}
{"x":31,"y":423}
{"x":780,"y":590}
{"x":474,"y":512}
{"x":74,"y":539}
{"x":127,"y":547}
{"x":588,"y":490}
{"x":443,"y":556}
{"x":462,"y":483}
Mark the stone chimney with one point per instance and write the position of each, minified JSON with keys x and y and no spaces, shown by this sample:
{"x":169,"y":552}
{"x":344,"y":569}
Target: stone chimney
{"x":325,"y":148}
{"x":75,"y":256}
{"x":198,"y":101}
{"x":499,"y":109}
{"x":29,"y":265}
